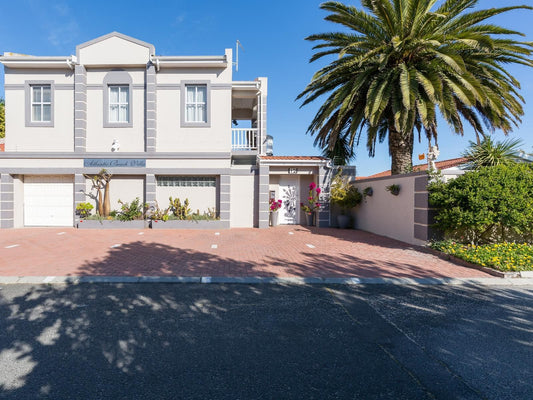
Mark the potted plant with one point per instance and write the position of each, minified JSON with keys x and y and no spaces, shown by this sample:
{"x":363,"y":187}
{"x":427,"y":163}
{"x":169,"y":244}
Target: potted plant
{"x":312,"y":203}
{"x":275,"y":205}
{"x":393,"y":189}
{"x":344,"y":195}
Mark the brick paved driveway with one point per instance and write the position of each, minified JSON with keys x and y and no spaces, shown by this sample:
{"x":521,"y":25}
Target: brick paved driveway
{"x":284,"y":251}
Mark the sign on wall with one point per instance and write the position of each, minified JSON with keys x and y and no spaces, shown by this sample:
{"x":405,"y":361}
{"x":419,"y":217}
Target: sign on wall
{"x":293,"y":171}
{"x":114,"y":162}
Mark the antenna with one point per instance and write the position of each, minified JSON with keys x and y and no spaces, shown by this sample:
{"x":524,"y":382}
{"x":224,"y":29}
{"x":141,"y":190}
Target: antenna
{"x":237,"y":45}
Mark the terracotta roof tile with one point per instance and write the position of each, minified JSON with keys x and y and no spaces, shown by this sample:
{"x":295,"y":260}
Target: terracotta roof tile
{"x":293,"y":158}
{"x":454,"y":162}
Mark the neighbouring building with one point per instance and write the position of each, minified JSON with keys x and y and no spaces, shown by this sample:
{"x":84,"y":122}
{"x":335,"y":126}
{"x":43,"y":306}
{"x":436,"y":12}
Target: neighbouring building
{"x":162,"y":125}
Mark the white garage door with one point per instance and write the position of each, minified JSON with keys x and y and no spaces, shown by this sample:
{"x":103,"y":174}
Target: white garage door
{"x":48,"y":200}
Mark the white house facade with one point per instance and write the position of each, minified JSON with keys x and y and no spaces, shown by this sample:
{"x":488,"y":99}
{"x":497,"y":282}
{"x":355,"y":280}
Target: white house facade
{"x":162,"y":125}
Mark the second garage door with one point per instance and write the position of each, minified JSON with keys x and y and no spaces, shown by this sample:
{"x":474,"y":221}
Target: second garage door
{"x":48,"y":200}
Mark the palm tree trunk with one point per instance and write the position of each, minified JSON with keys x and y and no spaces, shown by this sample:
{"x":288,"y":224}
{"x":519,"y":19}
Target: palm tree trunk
{"x":401,"y":152}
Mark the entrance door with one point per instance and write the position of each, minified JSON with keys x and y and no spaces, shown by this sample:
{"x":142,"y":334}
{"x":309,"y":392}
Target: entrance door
{"x":288,"y":192}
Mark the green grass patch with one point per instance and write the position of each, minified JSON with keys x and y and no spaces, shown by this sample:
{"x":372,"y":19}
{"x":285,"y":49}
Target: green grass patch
{"x":505,"y":257}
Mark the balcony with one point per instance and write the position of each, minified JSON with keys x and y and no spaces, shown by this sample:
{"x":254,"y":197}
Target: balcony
{"x":244,"y":139}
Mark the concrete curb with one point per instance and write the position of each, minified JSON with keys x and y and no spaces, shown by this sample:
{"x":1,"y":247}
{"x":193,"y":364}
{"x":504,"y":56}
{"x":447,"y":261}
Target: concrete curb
{"x":50,"y":280}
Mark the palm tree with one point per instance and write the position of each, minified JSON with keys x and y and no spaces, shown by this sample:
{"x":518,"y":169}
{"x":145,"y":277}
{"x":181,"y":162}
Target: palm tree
{"x":341,"y":153}
{"x":2,"y":118}
{"x":488,"y":154}
{"x":401,"y":61}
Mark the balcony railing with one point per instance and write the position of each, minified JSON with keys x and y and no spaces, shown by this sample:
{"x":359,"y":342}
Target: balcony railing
{"x":244,"y":139}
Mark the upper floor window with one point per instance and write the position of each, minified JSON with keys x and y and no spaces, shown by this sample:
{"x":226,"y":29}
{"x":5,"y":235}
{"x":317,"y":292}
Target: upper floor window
{"x":119,"y":104}
{"x":39,"y":103}
{"x":196,"y":103}
{"x":117,"y":91}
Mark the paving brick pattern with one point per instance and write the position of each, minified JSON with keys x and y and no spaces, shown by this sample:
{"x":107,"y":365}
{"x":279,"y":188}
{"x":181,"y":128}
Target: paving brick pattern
{"x":284,"y":251}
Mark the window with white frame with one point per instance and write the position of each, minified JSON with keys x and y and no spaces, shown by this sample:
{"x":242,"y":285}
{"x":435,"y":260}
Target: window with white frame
{"x":196,"y":103}
{"x":119,"y":104}
{"x":41,"y":103}
{"x":186,"y":181}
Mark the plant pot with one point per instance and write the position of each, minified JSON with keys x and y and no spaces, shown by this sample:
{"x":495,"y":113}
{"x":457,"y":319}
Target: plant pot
{"x":274,"y":218}
{"x":310,"y":219}
{"x":343,"y":221}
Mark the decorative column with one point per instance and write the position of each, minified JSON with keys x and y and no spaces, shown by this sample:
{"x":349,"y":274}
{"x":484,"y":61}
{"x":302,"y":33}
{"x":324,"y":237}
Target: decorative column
{"x":80,"y":108}
{"x":225,"y":192}
{"x":262,"y":201}
{"x":151,"y":109}
{"x":79,"y":192}
{"x":150,"y":185}
{"x":424,"y":214}
{"x":262,"y":115}
{"x":7,"y":203}
{"x":324,"y":182}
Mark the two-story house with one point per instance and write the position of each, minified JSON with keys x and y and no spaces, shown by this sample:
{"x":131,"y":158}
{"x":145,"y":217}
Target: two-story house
{"x":162,"y":125}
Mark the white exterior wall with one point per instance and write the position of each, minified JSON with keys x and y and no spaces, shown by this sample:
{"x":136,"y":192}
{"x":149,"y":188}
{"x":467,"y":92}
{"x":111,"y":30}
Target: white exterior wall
{"x":100,"y":139}
{"x":114,"y":51}
{"x":385,"y":214}
{"x":200,"y":198}
{"x":19,"y":137}
{"x":242,"y":200}
{"x":174,"y":138}
{"x":125,"y":188}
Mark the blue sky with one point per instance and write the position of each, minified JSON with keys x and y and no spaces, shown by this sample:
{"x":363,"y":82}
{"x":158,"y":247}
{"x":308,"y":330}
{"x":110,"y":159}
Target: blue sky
{"x":271,"y":32}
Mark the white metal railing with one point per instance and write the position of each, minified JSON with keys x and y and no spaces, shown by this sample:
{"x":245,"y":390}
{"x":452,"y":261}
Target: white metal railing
{"x":244,"y":139}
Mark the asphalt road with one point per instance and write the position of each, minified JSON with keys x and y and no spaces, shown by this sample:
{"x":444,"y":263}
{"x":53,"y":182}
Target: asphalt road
{"x":187,"y":341}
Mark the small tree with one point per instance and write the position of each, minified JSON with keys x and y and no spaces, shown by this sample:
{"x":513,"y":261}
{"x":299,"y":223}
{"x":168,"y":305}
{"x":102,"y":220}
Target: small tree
{"x":344,"y":194}
{"x":100,"y":182}
{"x":488,"y":153}
{"x":491,"y":204}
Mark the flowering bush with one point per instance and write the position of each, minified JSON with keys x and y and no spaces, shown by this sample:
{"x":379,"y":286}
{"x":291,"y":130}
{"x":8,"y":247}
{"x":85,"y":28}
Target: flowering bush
{"x":275,"y":205}
{"x":500,"y":256}
{"x":312,"y":200}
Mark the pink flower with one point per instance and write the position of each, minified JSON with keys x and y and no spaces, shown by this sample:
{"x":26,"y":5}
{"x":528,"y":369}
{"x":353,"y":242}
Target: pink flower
{"x":312,"y":186}
{"x":310,"y":198}
{"x":318,"y":204}
{"x":318,"y":190}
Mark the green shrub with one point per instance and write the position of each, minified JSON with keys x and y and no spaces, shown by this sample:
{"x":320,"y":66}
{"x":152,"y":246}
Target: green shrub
{"x":84,"y":209}
{"x":179,"y":210}
{"x":131,"y":211}
{"x":489,"y":205}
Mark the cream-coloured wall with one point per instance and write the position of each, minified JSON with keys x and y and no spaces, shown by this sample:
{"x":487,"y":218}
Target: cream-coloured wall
{"x":242,"y":201}
{"x":95,"y":76}
{"x":172,"y":137}
{"x":200,"y":198}
{"x":189,"y":163}
{"x":173,"y":76}
{"x":59,"y":138}
{"x":305,"y":181}
{"x":114,"y":51}
{"x":385,"y":214}
{"x":40,"y":163}
{"x":19,"y":75}
{"x":18,"y":202}
{"x":123,"y":187}
{"x":100,"y":139}
{"x":274,"y":185}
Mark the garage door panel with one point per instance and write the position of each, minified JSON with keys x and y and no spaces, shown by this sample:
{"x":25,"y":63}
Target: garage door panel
{"x":48,"y":201}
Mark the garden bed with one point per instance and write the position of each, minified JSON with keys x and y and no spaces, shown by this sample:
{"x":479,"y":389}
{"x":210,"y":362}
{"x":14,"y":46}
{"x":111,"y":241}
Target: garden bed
{"x":111,"y":224}
{"x":506,"y":258}
{"x":189,"y":224}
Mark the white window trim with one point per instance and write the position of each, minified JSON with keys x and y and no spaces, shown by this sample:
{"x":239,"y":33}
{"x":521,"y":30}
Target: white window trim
{"x":183,"y":107}
{"x":28,"y":94}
